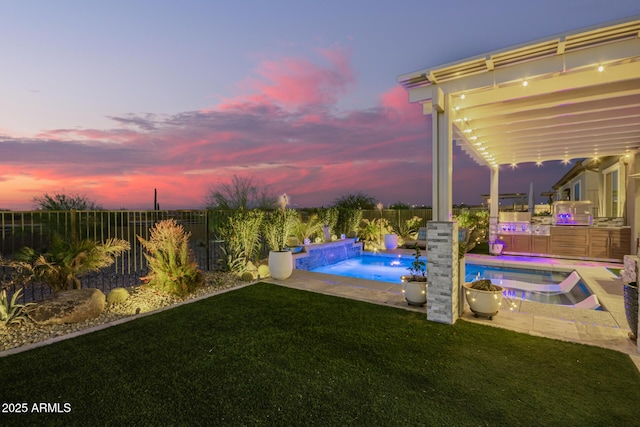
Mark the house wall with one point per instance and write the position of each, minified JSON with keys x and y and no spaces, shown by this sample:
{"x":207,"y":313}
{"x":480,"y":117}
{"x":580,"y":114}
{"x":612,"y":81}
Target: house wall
{"x":633,"y":200}
{"x":589,"y":189}
{"x":591,"y":186}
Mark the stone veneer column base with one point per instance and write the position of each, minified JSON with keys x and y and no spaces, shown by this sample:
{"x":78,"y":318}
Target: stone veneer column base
{"x":442,"y":271}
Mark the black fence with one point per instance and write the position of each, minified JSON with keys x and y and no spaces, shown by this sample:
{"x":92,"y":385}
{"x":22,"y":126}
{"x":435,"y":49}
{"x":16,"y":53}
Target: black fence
{"x":36,"y":228}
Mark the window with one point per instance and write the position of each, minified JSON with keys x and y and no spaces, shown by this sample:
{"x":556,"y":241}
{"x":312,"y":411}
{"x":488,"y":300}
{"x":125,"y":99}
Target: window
{"x":612,"y":191}
{"x":576,"y":191}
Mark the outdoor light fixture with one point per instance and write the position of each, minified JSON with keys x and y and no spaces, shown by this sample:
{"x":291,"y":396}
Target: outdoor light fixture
{"x":601,"y":68}
{"x":525,"y":83}
{"x":462,"y":96}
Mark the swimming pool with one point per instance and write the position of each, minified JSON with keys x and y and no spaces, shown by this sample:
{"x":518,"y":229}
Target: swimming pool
{"x":531,"y":285}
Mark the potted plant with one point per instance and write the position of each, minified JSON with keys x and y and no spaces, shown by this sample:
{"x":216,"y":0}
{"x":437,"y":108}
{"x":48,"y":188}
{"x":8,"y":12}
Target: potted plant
{"x":277,"y":229}
{"x":484,"y":297}
{"x":414,"y":285}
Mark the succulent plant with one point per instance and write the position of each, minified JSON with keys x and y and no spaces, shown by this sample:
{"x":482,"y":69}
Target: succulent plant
{"x":10,"y":312}
{"x":484,"y":285}
{"x":117,"y":296}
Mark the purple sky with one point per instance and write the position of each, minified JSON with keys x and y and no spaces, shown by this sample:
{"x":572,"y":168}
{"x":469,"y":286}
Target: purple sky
{"x":113,"y":99}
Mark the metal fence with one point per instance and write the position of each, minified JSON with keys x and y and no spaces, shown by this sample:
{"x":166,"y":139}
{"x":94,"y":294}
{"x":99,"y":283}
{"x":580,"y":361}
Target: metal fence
{"x":35,"y":229}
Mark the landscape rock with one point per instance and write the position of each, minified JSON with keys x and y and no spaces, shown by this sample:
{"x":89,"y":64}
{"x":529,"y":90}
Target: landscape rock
{"x":72,"y":306}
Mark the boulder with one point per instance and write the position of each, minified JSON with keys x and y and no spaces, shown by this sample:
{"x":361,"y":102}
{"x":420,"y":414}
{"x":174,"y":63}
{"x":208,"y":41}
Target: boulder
{"x":70,"y":306}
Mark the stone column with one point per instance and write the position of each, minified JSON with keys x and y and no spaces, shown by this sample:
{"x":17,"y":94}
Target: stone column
{"x":442,"y":270}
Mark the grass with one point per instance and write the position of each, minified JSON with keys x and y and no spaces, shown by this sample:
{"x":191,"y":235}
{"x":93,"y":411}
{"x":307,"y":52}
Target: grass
{"x":615,"y":271}
{"x":481,"y":248}
{"x":270,"y":355}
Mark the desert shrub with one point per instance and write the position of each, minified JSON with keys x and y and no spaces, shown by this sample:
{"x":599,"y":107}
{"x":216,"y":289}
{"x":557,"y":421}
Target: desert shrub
{"x":241,"y":233}
{"x":477,"y":222}
{"x":172,"y":268}
{"x":348,"y":220}
{"x":278,"y":226}
{"x":246,"y":276}
{"x":408,"y":230}
{"x":329,"y":218}
{"x":117,"y":296}
{"x":373,"y":231}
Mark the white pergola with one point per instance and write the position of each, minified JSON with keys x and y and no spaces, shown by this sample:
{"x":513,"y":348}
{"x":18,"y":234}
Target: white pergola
{"x":573,"y":95}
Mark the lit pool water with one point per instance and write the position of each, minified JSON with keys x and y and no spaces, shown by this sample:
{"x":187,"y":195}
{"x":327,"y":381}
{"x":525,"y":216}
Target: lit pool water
{"x":389,"y":268}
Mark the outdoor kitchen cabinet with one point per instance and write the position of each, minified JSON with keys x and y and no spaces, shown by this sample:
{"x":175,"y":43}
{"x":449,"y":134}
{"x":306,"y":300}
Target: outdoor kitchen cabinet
{"x":540,"y":244}
{"x":590,"y":242}
{"x":570,"y":241}
{"x":516,"y":243}
{"x":610,"y":243}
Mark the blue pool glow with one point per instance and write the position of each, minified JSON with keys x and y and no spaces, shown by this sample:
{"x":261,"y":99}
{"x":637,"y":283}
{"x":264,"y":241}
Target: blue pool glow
{"x":389,"y":268}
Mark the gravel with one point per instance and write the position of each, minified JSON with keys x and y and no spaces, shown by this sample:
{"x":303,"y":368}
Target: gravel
{"x":141,"y":300}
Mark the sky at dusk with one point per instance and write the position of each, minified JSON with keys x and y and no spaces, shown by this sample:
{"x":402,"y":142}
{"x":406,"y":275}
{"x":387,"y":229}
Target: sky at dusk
{"x":111,"y":99}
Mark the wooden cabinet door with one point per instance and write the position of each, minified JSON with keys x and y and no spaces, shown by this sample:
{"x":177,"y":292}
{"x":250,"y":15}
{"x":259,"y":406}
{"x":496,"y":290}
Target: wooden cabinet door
{"x":620,"y":243}
{"x":599,"y":244}
{"x":540,"y":244}
{"x":522,"y":243}
{"x":508,"y":242}
{"x":570,"y":241}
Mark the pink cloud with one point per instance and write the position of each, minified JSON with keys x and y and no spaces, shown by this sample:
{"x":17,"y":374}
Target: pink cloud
{"x":298,"y":82}
{"x":284,"y":129}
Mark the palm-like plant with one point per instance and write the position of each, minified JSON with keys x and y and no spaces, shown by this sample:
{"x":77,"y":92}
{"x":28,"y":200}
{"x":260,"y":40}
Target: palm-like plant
{"x":307,"y":229}
{"x":66,"y":260}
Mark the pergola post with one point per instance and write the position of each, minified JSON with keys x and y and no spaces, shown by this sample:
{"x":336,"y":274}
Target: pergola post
{"x":494,"y":196}
{"x":442,"y":232}
{"x":442,"y":157}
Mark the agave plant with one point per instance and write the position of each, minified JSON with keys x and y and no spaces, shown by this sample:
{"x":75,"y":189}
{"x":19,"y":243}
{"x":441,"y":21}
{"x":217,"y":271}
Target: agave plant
{"x":10,"y":311}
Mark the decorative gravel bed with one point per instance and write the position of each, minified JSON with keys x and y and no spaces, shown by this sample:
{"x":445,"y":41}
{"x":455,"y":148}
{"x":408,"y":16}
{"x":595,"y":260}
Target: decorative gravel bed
{"x":141,"y":300}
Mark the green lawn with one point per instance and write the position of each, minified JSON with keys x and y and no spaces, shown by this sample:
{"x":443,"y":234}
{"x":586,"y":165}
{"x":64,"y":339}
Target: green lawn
{"x":270,"y":355}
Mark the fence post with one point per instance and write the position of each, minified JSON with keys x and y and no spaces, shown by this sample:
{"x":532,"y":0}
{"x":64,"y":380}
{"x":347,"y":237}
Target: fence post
{"x":207,"y":239}
{"x":73,"y":226}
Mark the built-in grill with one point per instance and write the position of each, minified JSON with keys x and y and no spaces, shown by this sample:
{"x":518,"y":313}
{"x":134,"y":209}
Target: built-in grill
{"x":572,"y":213}
{"x":514,"y":223}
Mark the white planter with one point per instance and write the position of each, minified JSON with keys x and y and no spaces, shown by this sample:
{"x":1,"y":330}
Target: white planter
{"x":483,"y":303}
{"x":391,"y":241}
{"x":496,"y":248}
{"x":280,"y":264}
{"x":414,"y":292}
